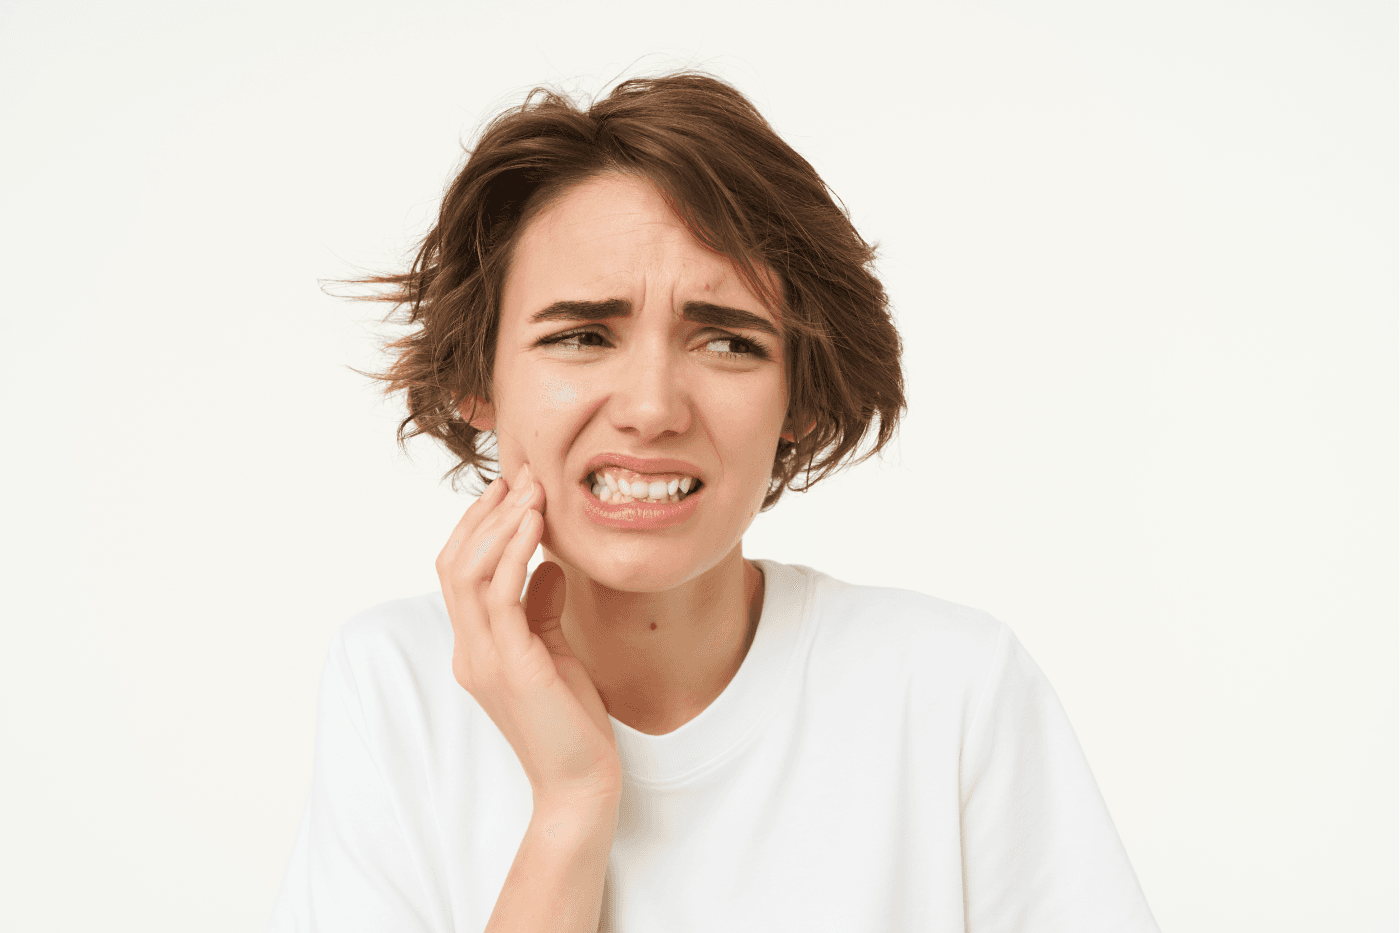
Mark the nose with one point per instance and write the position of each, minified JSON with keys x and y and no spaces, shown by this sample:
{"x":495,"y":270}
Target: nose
{"x":651,"y":397}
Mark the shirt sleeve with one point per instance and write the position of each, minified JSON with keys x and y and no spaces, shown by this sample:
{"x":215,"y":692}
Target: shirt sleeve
{"x":352,"y":868}
{"x":1040,"y":852}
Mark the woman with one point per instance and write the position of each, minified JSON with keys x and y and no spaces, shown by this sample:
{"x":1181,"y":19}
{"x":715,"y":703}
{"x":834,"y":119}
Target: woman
{"x":659,"y":314}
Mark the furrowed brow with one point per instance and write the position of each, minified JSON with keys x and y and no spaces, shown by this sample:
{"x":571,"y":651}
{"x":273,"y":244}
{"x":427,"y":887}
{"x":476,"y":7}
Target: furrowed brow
{"x":699,"y":312}
{"x":702,"y":312}
{"x":583,"y":311}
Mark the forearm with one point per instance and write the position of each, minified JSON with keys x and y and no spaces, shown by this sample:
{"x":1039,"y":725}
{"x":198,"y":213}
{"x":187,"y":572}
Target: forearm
{"x":556,"y":880}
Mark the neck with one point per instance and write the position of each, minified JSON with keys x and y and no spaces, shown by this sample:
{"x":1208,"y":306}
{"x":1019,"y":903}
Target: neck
{"x":659,"y":659}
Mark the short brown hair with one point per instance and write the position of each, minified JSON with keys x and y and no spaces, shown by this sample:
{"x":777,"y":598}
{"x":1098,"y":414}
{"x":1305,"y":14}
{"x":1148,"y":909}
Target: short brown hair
{"x":740,"y":190}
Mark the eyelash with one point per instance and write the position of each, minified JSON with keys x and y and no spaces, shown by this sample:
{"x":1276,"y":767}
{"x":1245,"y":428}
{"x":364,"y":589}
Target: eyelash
{"x":759,"y":351}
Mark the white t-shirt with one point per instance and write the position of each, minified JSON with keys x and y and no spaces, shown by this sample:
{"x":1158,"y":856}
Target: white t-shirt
{"x":882,"y":761}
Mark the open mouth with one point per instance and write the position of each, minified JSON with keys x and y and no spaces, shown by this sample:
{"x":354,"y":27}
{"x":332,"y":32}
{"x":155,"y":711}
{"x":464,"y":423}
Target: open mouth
{"x":613,"y":488}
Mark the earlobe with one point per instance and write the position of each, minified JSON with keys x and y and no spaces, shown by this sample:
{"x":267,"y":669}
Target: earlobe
{"x":788,"y":435}
{"x":479,"y":414}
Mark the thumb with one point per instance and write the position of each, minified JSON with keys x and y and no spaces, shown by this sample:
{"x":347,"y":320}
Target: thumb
{"x":544,"y":603}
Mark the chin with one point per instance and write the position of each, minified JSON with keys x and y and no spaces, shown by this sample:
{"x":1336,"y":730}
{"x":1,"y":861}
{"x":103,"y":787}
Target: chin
{"x":638,"y":566}
{"x":644,"y":574}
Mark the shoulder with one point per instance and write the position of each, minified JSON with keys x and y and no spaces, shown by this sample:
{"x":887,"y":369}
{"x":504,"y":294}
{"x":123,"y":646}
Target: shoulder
{"x":902,"y":637}
{"x":406,"y":622}
{"x":403,"y":643}
{"x":885,"y":618}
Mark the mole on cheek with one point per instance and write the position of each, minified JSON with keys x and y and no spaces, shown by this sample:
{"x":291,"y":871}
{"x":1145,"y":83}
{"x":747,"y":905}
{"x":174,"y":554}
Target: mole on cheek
{"x":653,"y":625}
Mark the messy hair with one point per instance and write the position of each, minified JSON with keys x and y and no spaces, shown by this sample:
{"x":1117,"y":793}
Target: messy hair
{"x":739,"y":189}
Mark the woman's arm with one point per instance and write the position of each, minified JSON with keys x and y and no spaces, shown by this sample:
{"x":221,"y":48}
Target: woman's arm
{"x":556,"y":880}
{"x":511,"y":656}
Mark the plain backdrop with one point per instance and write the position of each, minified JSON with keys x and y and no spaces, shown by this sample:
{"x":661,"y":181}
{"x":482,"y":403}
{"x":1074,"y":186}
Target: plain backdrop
{"x":1143,"y":256}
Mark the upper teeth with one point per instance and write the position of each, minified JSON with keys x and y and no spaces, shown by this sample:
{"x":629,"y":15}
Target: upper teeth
{"x":611,"y":484}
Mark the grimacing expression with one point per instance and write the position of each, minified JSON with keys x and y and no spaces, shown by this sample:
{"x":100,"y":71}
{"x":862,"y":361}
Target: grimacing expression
{"x":650,"y":346}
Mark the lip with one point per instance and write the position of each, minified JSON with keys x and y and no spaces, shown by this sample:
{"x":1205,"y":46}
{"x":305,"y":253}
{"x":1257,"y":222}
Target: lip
{"x":639,"y":516}
{"x":642,"y":465}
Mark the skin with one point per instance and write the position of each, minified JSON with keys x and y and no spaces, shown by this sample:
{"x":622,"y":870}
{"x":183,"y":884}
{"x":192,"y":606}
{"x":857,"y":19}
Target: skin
{"x":661,"y":620}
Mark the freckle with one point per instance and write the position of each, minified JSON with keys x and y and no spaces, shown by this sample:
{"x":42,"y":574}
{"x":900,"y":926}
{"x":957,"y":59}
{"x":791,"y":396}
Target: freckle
{"x":653,"y":625}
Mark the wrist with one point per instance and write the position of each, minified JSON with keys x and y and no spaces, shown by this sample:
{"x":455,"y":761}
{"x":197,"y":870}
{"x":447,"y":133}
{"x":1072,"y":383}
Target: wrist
{"x":596,"y":796}
{"x":589,"y":804}
{"x":575,"y":817}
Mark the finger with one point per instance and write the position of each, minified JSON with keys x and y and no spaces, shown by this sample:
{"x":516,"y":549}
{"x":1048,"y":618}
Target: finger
{"x":471,"y":553}
{"x":474,"y":516}
{"x":483,"y":553}
{"x":468,"y":572}
{"x":508,"y":625}
{"x":450,"y":560}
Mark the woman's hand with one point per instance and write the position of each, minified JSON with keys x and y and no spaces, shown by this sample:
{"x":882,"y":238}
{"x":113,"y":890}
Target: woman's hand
{"x":510,"y":654}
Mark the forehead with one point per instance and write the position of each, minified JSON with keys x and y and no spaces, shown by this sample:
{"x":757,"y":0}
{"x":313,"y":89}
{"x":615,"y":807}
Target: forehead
{"x":613,"y":236}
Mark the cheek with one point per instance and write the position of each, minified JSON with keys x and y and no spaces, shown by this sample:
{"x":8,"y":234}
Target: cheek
{"x":557,"y":396}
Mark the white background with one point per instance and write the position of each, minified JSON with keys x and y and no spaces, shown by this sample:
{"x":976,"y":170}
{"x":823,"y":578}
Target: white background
{"x":1143,"y":257}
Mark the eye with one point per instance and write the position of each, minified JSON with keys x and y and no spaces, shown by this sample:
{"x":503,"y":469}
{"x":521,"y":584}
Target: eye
{"x":564,"y":339}
{"x":749,"y":348}
{"x":752,"y":348}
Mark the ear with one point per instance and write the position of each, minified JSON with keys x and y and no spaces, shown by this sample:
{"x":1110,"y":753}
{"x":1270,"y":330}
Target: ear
{"x":788,"y":436}
{"x":479,"y":414}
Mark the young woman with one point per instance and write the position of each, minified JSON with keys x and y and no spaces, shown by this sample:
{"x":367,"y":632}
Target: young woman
{"x":656,"y":311}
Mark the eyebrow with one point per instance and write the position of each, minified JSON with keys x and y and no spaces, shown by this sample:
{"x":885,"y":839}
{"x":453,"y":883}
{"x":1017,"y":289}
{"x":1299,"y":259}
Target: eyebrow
{"x":699,"y":312}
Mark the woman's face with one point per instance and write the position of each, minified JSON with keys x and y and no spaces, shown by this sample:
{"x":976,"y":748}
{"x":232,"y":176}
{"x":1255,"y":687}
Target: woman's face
{"x":667,"y":368}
